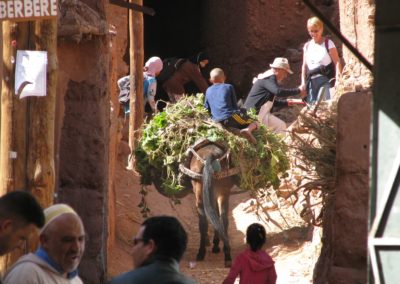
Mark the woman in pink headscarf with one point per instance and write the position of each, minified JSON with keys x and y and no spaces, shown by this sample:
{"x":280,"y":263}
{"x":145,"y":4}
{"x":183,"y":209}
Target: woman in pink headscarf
{"x":151,"y":69}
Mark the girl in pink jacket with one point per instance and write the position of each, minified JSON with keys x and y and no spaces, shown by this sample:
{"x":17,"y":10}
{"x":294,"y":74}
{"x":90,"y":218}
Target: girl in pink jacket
{"x":253,"y":265}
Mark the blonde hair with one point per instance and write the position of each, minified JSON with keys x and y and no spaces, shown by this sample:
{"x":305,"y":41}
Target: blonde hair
{"x":217,"y":74}
{"x":315,"y":22}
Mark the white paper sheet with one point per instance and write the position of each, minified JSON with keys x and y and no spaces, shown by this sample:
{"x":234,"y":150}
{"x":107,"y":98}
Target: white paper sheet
{"x":30,"y":73}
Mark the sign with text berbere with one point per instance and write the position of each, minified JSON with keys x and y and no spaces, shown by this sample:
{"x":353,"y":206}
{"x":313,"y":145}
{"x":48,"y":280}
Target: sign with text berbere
{"x":27,"y":10}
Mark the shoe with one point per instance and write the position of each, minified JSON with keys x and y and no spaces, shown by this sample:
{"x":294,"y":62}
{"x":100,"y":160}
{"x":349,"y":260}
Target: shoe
{"x":247,"y":134}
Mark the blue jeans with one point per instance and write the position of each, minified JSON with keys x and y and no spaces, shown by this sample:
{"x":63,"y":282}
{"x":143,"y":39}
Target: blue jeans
{"x":315,"y":90}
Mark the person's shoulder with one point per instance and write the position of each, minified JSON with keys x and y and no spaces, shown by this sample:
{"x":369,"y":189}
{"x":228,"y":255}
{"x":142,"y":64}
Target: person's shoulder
{"x":187,"y":64}
{"x":150,"y":79}
{"x":25,"y":268}
{"x":265,"y":256}
{"x":306,"y":44}
{"x":125,"y":277}
{"x":187,"y":280}
{"x":139,"y":275}
{"x":330,"y":42}
{"x":269,"y":79}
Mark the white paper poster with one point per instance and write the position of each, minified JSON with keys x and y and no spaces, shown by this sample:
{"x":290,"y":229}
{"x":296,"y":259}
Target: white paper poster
{"x":30,"y":73}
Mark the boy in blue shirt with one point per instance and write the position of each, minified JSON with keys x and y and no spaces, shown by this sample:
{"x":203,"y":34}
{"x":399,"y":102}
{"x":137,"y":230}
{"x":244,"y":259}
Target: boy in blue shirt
{"x":222,"y":105}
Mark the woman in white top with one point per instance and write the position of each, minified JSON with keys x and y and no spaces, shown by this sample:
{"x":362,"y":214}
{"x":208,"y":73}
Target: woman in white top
{"x":321,"y":64}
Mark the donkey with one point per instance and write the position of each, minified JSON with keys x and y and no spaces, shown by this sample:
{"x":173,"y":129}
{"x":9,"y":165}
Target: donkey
{"x":212,"y":191}
{"x":212,"y":197}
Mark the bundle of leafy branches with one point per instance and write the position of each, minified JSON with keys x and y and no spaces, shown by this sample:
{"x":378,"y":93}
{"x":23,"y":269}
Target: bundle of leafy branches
{"x":314,"y":146}
{"x":167,"y":136}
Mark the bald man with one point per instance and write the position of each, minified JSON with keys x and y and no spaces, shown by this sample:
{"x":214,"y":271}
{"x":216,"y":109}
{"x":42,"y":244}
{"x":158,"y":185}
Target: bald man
{"x":62,"y":242}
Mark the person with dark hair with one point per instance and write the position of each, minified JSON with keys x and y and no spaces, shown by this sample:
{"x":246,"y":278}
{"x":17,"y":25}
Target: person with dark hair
{"x":20,"y":214}
{"x":157,"y":249}
{"x":188,"y":71}
{"x":253,"y":265}
{"x":62,"y":242}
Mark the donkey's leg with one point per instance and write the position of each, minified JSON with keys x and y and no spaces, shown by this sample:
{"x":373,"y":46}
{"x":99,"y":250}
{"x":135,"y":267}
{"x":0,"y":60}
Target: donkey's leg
{"x":223,"y":204}
{"x":215,"y":248}
{"x":203,"y":225}
{"x":216,"y":239}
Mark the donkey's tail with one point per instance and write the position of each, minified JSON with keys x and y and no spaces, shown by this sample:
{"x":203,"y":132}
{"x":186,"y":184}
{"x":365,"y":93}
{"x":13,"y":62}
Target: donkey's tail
{"x":209,"y":199}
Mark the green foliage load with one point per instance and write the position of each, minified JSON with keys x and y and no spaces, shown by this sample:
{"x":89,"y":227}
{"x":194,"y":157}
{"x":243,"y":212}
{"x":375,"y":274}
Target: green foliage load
{"x":167,"y":136}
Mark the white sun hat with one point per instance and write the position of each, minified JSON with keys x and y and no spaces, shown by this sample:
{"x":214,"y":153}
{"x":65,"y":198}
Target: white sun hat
{"x":282,"y":63}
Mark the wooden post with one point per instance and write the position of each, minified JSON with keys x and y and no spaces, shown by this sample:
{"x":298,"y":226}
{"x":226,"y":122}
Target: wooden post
{"x":40,"y":169}
{"x":41,"y":172}
{"x":6,"y":135}
{"x":136,"y":78}
{"x":6,"y":172}
{"x":20,"y":116}
{"x":19,"y":132}
{"x":1,"y":66}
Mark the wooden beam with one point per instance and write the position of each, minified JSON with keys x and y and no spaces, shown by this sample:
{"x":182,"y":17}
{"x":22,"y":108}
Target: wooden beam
{"x":134,"y":7}
{"x":41,"y":171}
{"x":136,"y":53}
{"x":9,"y":53}
{"x":6,"y":135}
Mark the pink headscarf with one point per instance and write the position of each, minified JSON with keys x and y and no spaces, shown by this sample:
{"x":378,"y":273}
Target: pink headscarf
{"x":153,"y":66}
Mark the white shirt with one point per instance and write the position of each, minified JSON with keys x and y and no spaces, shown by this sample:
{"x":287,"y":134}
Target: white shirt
{"x":316,"y":54}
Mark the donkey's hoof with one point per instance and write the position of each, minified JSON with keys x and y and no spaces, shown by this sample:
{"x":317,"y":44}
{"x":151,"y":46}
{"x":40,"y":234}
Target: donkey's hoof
{"x":228,"y":263}
{"x":200,"y":256}
{"x":216,"y":249}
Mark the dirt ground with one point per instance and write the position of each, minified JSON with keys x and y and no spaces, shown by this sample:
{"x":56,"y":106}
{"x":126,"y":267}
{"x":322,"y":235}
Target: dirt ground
{"x":291,"y":244}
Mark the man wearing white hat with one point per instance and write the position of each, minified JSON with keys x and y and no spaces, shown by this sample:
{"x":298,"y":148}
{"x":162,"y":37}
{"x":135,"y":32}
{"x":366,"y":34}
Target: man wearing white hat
{"x":266,"y":91}
{"x":62,"y":242}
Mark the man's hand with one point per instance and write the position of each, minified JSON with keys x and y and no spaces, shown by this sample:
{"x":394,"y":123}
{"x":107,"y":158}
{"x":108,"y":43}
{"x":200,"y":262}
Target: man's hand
{"x":302,"y":89}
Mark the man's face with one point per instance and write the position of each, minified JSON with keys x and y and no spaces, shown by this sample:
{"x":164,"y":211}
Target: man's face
{"x":13,"y":234}
{"x":141,"y":251}
{"x":64,"y":241}
{"x":281,"y":75}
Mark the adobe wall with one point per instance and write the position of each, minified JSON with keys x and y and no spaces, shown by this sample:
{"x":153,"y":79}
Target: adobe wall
{"x":83,"y":126}
{"x":117,"y":18}
{"x":344,"y":253}
{"x":244,"y":37}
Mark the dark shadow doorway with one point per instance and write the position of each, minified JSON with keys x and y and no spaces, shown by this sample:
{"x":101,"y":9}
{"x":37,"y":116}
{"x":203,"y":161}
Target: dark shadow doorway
{"x":175,"y":29}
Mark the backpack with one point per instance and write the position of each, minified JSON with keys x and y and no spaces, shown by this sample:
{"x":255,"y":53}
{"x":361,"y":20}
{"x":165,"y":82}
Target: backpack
{"x":329,"y":70}
{"x":124,"y":88}
{"x":170,"y":65}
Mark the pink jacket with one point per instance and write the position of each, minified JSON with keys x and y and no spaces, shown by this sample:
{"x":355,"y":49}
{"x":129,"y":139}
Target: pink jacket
{"x":252,"y":267}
